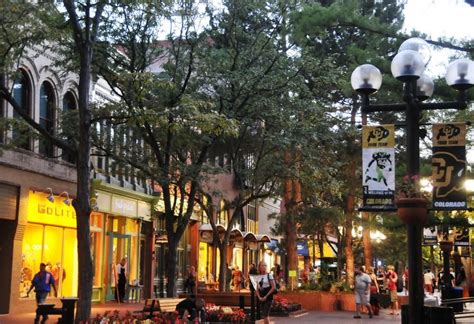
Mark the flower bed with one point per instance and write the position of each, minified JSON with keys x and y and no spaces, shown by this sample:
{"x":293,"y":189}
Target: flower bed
{"x":114,"y":317}
{"x":282,"y":307}
{"x":214,"y":314}
{"x":219,"y":314}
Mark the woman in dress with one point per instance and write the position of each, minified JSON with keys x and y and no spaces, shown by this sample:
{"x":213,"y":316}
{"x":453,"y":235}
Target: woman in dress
{"x":264,"y":290}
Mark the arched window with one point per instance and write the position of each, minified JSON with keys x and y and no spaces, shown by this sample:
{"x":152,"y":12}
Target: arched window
{"x":69,"y":107}
{"x":22,"y":96}
{"x":47,"y":103}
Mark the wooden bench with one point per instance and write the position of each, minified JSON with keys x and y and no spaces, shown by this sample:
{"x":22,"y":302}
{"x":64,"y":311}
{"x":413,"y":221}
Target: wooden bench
{"x":464,"y":313}
{"x":240,"y":299}
{"x":158,"y":305}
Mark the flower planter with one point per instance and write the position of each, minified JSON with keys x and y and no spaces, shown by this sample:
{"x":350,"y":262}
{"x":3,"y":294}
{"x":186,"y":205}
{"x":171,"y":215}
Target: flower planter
{"x":313,"y":300}
{"x":412,"y":210}
{"x":446,"y":246}
{"x":347,"y":301}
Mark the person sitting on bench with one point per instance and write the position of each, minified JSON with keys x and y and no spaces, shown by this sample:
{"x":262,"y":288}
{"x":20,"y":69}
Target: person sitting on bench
{"x":191,"y":308}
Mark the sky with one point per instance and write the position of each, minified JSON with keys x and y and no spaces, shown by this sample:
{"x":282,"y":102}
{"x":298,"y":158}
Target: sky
{"x":440,"y":18}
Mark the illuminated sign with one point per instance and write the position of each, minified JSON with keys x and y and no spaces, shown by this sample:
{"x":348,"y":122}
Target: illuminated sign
{"x":43,"y":211}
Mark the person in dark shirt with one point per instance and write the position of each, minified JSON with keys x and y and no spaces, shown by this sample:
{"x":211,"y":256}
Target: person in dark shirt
{"x":190,"y":308}
{"x":42,"y":282}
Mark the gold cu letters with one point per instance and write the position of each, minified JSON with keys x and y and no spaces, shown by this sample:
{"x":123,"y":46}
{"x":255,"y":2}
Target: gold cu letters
{"x":441,"y":173}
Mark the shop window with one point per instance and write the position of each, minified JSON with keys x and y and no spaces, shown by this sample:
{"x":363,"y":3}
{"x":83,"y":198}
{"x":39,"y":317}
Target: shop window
{"x":55,"y":246}
{"x":22,"y":96}
{"x":47,"y":103}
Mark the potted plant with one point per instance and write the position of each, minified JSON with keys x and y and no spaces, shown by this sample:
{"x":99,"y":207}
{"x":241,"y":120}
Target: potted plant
{"x":411,"y":203}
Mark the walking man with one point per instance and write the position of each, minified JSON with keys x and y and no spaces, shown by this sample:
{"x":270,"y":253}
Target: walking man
{"x":362,"y":291}
{"x":42,"y":282}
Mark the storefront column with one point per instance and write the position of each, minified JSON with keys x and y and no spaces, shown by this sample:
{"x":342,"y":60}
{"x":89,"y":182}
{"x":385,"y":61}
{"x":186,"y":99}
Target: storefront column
{"x":194,"y":242}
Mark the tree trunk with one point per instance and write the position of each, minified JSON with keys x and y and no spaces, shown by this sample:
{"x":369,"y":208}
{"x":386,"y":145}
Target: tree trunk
{"x":81,"y":203}
{"x":171,"y":267}
{"x":223,"y":267}
{"x":367,"y":241}
{"x":348,"y":240}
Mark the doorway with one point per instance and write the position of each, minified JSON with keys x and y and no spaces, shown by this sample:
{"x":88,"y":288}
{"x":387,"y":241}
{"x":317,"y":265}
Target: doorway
{"x":118,"y":248}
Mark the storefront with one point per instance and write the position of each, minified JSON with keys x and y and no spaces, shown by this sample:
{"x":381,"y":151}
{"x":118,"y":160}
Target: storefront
{"x":50,"y":237}
{"x":121,"y":229}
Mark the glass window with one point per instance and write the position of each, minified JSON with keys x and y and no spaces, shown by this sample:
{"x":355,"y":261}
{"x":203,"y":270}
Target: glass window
{"x":70,"y":264}
{"x":22,"y":96}
{"x":31,"y":255}
{"x":69,"y":109}
{"x":47,"y":103}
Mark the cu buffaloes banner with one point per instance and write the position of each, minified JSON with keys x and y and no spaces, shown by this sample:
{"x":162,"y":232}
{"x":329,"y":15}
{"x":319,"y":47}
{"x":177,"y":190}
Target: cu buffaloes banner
{"x":430,"y":236}
{"x":378,"y":166}
{"x":449,"y":166}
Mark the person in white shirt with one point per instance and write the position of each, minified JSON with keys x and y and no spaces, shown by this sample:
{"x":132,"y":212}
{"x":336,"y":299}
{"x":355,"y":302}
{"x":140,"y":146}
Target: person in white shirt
{"x":428,"y":279}
{"x":265,"y":287}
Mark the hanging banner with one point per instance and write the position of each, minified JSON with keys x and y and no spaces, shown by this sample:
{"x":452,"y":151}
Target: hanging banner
{"x":430,"y":236}
{"x":461,"y":236}
{"x":449,"y":166}
{"x":378,"y":166}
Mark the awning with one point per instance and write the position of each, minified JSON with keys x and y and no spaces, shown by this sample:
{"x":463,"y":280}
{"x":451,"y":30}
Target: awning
{"x":250,"y":237}
{"x":302,"y":248}
{"x":236,"y":235}
{"x":263,"y":238}
{"x":208,"y":228}
{"x":205,"y":231}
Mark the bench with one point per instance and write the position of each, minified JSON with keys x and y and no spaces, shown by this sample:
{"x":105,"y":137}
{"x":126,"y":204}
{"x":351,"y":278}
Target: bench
{"x":455,"y":302}
{"x":155,"y":305}
{"x":66,"y":311}
{"x":240,"y":299}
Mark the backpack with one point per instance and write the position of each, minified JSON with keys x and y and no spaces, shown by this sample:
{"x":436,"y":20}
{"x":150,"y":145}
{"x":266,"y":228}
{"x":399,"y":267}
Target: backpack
{"x":277,"y":285}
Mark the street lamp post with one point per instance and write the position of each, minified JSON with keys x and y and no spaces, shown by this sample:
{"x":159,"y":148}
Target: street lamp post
{"x":408,"y":67}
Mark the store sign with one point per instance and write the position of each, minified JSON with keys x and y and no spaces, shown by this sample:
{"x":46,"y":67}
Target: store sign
{"x":124,"y":206}
{"x":378,"y":167}
{"x":43,"y":211}
{"x":449,"y":166}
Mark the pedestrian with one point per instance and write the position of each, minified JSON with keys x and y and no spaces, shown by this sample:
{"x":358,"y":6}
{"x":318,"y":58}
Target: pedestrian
{"x":237,"y":278}
{"x":228,"y":277}
{"x":362,"y":291}
{"x":392,"y":279}
{"x":374,"y":289}
{"x":252,"y":272}
{"x":191,"y":309}
{"x":406,"y":279}
{"x":191,"y":281}
{"x":42,"y":282}
{"x":428,"y":278}
{"x":264,"y":290}
{"x":121,"y":280}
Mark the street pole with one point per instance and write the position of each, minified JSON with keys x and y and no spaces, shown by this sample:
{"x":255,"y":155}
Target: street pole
{"x":414,"y":231}
{"x":408,"y":67}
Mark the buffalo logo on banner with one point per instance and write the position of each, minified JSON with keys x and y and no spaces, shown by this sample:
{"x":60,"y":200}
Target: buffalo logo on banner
{"x":430,"y":236}
{"x":378,"y":165}
{"x":449,"y":166}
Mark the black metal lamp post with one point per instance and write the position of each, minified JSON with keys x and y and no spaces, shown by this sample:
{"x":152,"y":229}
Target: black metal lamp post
{"x":408,"y":67}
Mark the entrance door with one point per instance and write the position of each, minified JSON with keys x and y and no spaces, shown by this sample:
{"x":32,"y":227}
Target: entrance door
{"x":118,"y":248}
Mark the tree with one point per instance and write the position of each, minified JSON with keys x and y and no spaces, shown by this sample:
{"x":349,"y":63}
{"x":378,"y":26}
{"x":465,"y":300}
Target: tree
{"x":350,"y":42}
{"x":47,"y":27}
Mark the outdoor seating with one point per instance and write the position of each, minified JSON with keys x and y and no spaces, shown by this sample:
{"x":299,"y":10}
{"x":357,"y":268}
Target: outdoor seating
{"x":241,"y":299}
{"x":458,"y":306}
{"x":155,"y":305}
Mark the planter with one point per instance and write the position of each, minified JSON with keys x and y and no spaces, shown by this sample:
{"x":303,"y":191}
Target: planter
{"x":412,"y":210}
{"x":347,"y":301}
{"x":446,"y":246}
{"x":315,"y":300}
